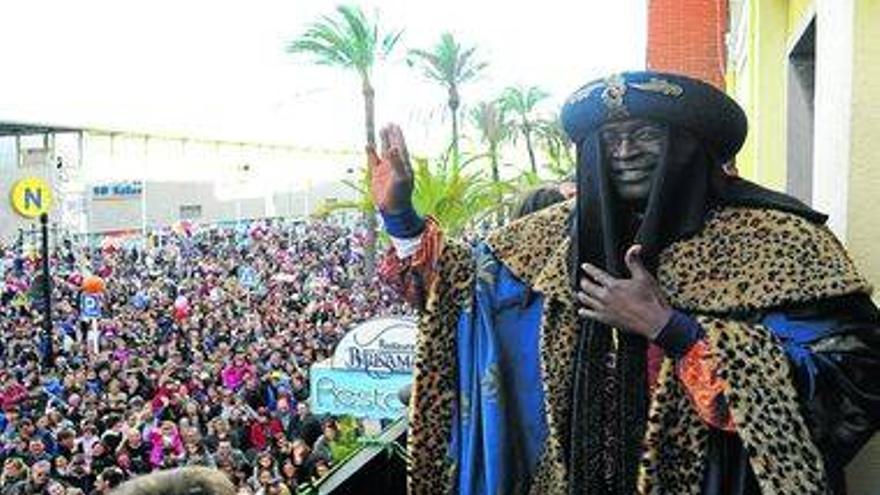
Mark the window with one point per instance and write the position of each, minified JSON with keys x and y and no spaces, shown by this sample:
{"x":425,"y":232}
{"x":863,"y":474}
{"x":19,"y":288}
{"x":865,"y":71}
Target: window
{"x":190,"y":212}
{"x":8,"y":155}
{"x":801,"y":120}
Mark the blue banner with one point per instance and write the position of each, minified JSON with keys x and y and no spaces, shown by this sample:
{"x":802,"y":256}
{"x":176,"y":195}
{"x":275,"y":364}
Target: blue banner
{"x":357,"y":393}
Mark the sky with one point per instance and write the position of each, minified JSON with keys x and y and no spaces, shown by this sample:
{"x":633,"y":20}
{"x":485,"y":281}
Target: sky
{"x":218,"y":68}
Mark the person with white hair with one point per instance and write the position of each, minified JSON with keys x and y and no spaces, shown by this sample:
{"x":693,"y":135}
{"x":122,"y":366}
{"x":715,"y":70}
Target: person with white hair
{"x":182,"y":481}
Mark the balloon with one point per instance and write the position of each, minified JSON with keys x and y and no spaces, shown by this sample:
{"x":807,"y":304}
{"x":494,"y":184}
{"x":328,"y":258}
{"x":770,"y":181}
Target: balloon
{"x":181,"y":308}
{"x":93,"y":284}
{"x":180,"y":314}
{"x":181,"y":303}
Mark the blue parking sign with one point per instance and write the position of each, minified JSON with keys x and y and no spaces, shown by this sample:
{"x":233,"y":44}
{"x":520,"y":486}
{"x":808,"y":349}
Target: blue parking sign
{"x":248,"y":277}
{"x":90,"y":306}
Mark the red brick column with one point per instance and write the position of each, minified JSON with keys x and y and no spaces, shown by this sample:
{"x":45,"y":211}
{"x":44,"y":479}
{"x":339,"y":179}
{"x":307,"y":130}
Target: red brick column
{"x":687,"y":37}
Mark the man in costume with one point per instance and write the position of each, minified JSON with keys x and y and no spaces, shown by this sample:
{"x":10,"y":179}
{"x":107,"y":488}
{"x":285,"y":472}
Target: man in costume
{"x":672,"y":330}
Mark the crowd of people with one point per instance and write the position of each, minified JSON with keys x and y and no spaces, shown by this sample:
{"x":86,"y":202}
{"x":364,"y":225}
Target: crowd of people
{"x":200,"y":355}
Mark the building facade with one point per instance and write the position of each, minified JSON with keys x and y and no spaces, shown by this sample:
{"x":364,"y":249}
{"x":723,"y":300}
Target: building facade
{"x":807,"y":72}
{"x":104,"y":181}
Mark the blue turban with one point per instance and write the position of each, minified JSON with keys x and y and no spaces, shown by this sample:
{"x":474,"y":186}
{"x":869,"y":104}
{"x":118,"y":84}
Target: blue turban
{"x":707,"y":112}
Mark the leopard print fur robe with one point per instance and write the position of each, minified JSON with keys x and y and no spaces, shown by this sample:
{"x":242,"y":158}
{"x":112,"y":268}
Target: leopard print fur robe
{"x":744,"y":260}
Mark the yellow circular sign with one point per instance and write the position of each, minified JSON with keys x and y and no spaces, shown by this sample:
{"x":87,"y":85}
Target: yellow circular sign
{"x":31,"y":197}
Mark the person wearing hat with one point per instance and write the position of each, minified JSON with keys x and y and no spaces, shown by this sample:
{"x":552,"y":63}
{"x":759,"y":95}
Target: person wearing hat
{"x":672,"y":329}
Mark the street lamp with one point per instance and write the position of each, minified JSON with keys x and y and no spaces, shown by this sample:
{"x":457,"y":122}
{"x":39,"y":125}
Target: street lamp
{"x":241,"y":181}
{"x":46,"y":284}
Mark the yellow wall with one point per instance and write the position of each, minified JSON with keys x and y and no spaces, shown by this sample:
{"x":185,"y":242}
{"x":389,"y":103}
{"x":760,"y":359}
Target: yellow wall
{"x":761,"y":85}
{"x":798,"y":10}
{"x":740,"y":84}
{"x":760,"y":88}
{"x":863,"y":227}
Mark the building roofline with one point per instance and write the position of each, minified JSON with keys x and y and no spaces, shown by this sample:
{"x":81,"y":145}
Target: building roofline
{"x":23,"y":127}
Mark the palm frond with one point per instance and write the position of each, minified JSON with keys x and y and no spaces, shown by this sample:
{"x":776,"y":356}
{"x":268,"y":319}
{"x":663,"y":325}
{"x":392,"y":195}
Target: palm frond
{"x":448,"y":62}
{"x":389,"y":41}
{"x":458,"y":198}
{"x":490,"y":121}
{"x":347,"y":39}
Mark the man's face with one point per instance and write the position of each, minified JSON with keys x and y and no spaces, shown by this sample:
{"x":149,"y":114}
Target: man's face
{"x":36,"y":447}
{"x":40,"y":473}
{"x":27,"y":429}
{"x":300,"y":448}
{"x":633,"y":149}
{"x":265,"y":478}
{"x":224,"y":449}
{"x":12,"y":467}
{"x":134,"y":439}
{"x":68,"y":442}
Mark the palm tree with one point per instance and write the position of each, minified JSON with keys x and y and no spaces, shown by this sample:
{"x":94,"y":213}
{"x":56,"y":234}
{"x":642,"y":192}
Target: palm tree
{"x":488,"y":118}
{"x":491,"y":123}
{"x":557,"y":145}
{"x":455,"y":197}
{"x":451,"y":64}
{"x":521,"y":102}
{"x":351,"y":41}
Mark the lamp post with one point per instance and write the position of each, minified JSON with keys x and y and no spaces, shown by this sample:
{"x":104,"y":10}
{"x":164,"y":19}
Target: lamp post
{"x":47,"y":291}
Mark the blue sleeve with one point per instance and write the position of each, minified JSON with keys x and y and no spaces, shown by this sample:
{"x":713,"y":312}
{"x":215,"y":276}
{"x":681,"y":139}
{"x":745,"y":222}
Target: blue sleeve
{"x":834,"y":348}
{"x":404,"y":225}
{"x":679,"y":334}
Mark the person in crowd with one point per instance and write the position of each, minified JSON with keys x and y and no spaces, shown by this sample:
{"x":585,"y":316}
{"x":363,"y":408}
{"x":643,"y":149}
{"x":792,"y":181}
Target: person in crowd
{"x":109,"y":479}
{"x":330,"y":431}
{"x":303,"y":460}
{"x":307,"y":426}
{"x":538,"y":199}
{"x":289,"y":474}
{"x":15,"y":471}
{"x":188,"y":480}
{"x":187,"y":365}
{"x":35,"y":484}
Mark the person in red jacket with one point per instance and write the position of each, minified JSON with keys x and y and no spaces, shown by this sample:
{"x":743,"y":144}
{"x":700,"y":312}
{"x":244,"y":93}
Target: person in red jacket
{"x":262,"y":429}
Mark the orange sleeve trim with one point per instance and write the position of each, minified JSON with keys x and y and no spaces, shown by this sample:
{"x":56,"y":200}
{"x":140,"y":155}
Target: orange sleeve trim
{"x":698,"y":372}
{"x":429,"y":247}
{"x":414,"y":276}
